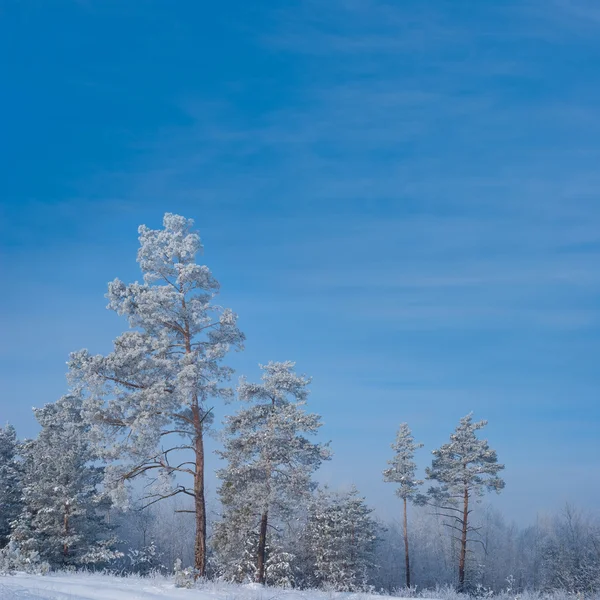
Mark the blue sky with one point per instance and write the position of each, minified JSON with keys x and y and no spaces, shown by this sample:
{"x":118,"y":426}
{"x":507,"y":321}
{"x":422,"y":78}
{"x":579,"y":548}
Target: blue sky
{"x":403,"y":197}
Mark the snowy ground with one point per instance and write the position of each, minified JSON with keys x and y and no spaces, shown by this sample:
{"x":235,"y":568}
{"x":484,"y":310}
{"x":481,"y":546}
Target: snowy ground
{"x":105,"y":587}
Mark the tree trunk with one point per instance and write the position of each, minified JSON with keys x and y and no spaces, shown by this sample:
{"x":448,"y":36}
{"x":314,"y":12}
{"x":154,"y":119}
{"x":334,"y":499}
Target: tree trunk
{"x":199,"y":501}
{"x":66,"y":530}
{"x":463,"y":542}
{"x":406,"y":555}
{"x":264,"y":520}
{"x":262,"y":548}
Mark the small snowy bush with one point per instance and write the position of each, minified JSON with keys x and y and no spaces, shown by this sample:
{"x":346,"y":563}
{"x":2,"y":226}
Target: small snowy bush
{"x":13,"y":560}
{"x":184,"y":578}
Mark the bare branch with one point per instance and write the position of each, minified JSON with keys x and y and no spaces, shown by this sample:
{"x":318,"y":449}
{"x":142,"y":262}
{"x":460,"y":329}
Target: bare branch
{"x":161,"y":497}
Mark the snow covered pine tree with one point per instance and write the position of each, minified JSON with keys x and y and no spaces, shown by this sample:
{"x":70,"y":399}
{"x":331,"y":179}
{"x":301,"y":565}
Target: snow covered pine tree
{"x":464,"y":468}
{"x":63,"y":520}
{"x":269,"y":460}
{"x":402,"y":471}
{"x":342,"y":536}
{"x":147,"y":399}
{"x":10,"y":482}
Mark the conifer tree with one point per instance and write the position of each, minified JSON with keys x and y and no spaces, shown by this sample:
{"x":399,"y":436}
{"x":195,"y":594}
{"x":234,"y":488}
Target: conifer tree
{"x":279,"y":565}
{"x":464,"y":468}
{"x":10,"y":482}
{"x":402,"y":471}
{"x":342,"y":535}
{"x":237,"y":549}
{"x":270,"y":461}
{"x":148,"y":400}
{"x":235,"y":543}
{"x":63,"y":519}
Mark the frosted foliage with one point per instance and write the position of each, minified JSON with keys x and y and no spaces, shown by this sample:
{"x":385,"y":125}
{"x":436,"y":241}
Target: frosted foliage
{"x":233,"y":540}
{"x":465,"y":463}
{"x":402,"y":467}
{"x":12,"y":561}
{"x":279,"y":564}
{"x":10,"y":482}
{"x":342,"y":535}
{"x":154,"y":386}
{"x":571,"y":553}
{"x":270,"y":460}
{"x":63,"y":519}
{"x":279,"y":567}
{"x":237,"y":561}
{"x":464,"y":468}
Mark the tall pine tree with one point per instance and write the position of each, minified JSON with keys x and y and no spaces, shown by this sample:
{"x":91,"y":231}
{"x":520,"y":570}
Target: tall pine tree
{"x":270,"y":461}
{"x":148,"y":399}
{"x":464,"y":468}
{"x":402,"y":471}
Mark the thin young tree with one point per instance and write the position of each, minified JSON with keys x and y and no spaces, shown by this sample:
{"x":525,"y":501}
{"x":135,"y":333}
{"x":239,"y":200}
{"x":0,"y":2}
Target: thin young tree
{"x":148,"y":400}
{"x":402,"y":470}
{"x":465,"y":468}
{"x":10,"y":482}
{"x":270,"y":460}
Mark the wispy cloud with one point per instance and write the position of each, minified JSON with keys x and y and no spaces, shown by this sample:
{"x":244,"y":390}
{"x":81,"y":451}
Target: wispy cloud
{"x":487,"y":186}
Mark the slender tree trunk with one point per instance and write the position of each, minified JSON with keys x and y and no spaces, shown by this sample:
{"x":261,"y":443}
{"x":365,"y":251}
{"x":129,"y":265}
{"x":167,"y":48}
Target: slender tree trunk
{"x":199,"y":501}
{"x":264,"y":520}
{"x":406,"y":555}
{"x":463,"y":542}
{"x":262,"y":549}
{"x":66,"y":531}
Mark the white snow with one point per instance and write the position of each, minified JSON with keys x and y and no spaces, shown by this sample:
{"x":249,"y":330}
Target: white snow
{"x":67,"y":586}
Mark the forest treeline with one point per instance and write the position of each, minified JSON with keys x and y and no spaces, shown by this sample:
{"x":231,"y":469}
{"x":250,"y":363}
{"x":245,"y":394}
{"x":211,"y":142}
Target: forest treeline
{"x":116,"y":477}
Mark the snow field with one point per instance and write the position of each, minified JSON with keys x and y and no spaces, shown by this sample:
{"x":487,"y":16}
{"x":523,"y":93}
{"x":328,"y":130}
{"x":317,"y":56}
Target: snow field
{"x":78,"y":586}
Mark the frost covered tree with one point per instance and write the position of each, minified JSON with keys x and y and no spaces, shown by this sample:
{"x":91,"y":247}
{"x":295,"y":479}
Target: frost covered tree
{"x":148,"y":399}
{"x":279,"y":565}
{"x":10,"y":482}
{"x":342,"y":535}
{"x":270,"y":460}
{"x":235,"y":543}
{"x":464,"y":468}
{"x":571,"y":553}
{"x":402,"y":471}
{"x":237,"y":548}
{"x":63,"y":519}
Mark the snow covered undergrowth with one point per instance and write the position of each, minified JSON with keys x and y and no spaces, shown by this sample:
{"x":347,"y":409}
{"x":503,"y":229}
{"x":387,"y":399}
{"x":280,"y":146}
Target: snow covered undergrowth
{"x":81,"y":586}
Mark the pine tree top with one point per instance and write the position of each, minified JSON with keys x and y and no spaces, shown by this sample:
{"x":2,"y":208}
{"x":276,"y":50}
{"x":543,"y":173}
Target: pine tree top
{"x":465,"y":462}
